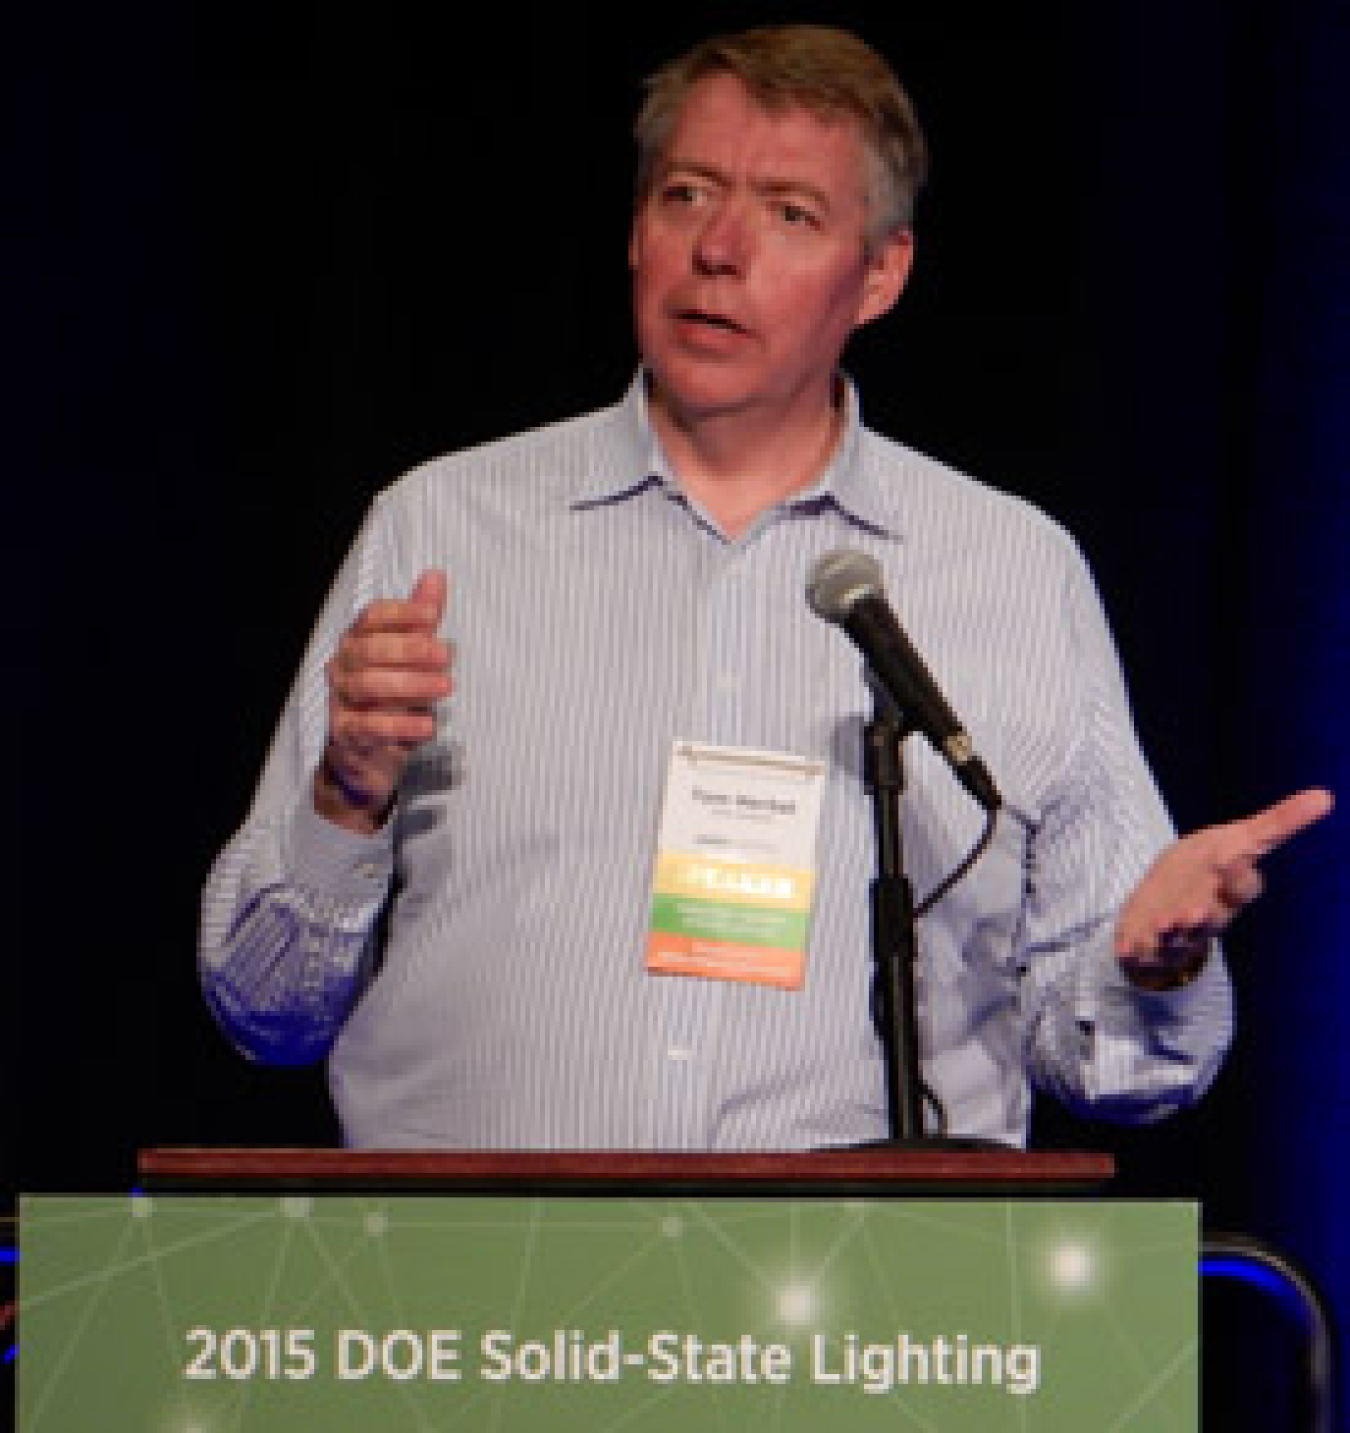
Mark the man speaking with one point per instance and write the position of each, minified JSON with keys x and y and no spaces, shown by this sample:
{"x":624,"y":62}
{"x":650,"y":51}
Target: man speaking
{"x":564,"y":841}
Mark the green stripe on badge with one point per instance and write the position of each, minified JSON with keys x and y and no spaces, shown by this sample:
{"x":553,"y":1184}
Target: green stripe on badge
{"x":723,"y":920}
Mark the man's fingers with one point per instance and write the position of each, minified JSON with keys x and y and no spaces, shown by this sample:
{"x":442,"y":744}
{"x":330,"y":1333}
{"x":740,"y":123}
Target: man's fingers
{"x":417,"y":649}
{"x":368,"y":734}
{"x":370,"y":686}
{"x":1203,"y":880}
{"x":384,"y":680}
{"x":1272,"y":827}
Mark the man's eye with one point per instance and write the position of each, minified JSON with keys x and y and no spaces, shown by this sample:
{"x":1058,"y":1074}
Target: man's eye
{"x":796,"y":214}
{"x":681,"y":192}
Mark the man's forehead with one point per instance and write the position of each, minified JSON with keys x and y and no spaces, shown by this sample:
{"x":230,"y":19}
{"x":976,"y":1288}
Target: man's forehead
{"x":722,"y":115}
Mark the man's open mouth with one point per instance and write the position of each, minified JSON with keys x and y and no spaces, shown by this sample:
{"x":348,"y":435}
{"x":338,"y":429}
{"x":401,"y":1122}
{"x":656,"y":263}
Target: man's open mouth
{"x":710,"y":320}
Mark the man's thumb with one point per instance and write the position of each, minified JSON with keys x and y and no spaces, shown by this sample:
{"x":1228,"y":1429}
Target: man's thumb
{"x":429,"y":592}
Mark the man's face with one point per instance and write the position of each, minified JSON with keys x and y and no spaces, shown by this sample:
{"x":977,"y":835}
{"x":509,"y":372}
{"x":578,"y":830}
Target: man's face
{"x":750,"y":268}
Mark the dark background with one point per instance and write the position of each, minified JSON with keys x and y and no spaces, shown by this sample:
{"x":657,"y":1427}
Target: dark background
{"x":262,"y":260}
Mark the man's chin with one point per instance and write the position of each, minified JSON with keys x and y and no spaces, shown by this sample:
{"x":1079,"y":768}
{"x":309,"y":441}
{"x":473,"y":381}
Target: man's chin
{"x":691,"y":399}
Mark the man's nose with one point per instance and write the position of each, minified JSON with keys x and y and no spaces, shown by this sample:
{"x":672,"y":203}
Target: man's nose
{"x":723,"y":243}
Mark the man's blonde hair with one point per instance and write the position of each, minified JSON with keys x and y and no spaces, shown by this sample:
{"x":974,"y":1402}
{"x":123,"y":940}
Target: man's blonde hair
{"x":828,"y":71}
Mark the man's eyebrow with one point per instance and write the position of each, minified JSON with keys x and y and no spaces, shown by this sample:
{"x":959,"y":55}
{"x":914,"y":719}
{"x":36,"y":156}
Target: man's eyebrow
{"x":676,"y":167}
{"x":800,"y":188}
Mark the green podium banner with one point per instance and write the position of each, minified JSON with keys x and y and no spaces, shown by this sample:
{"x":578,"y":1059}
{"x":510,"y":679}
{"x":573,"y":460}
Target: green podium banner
{"x":247,"y":1314}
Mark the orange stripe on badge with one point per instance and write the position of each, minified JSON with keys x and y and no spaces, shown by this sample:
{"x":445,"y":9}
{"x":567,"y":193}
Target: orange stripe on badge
{"x":724,"y":960}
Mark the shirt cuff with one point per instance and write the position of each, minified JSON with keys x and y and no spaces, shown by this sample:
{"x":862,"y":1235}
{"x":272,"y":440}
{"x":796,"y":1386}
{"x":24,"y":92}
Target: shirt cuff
{"x":1121,"y":996}
{"x":341,"y":866}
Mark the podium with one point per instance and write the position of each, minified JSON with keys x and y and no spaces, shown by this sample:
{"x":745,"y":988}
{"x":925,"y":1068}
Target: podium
{"x":970,"y":1290}
{"x":879,"y":1171}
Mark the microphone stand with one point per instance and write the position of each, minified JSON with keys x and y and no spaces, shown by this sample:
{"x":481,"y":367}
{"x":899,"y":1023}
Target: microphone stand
{"x":894,"y":947}
{"x":894,"y":944}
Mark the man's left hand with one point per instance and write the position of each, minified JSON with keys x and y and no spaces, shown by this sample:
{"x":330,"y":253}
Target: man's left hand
{"x":1196,"y":887}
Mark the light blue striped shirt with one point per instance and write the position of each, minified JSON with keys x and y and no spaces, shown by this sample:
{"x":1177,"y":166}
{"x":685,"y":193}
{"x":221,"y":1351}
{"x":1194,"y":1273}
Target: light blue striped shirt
{"x":474,"y":972}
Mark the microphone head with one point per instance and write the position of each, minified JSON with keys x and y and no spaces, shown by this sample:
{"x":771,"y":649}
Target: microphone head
{"x":840,"y":580}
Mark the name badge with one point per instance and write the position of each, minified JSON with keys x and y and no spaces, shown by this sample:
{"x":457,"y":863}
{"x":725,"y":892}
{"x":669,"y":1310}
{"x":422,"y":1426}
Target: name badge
{"x":735,"y":865}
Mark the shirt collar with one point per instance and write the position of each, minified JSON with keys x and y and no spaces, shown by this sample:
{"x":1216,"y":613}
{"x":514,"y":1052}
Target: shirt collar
{"x":635,"y":462}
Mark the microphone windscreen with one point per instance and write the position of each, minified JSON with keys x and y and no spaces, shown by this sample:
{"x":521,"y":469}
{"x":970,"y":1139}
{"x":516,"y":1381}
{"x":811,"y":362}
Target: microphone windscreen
{"x":840,"y":580}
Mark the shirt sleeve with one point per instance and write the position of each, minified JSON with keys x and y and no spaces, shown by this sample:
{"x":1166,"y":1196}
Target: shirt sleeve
{"x":1103,"y":1046}
{"x":291,"y":908}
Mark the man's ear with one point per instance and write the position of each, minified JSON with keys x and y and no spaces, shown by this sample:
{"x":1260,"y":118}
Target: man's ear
{"x":887,"y":274}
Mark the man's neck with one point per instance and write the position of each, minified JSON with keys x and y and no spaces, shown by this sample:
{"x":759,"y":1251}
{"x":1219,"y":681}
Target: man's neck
{"x":737,"y":466}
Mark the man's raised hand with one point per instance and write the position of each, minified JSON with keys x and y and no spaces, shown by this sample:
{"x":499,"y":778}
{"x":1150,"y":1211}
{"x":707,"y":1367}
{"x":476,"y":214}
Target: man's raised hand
{"x":384,"y":680}
{"x":1198,"y":884}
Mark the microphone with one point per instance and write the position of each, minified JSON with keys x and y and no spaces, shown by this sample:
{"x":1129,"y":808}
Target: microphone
{"x":846,"y":588}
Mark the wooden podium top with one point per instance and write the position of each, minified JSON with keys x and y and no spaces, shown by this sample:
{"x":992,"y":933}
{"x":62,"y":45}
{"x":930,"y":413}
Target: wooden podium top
{"x":938,"y":1171}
